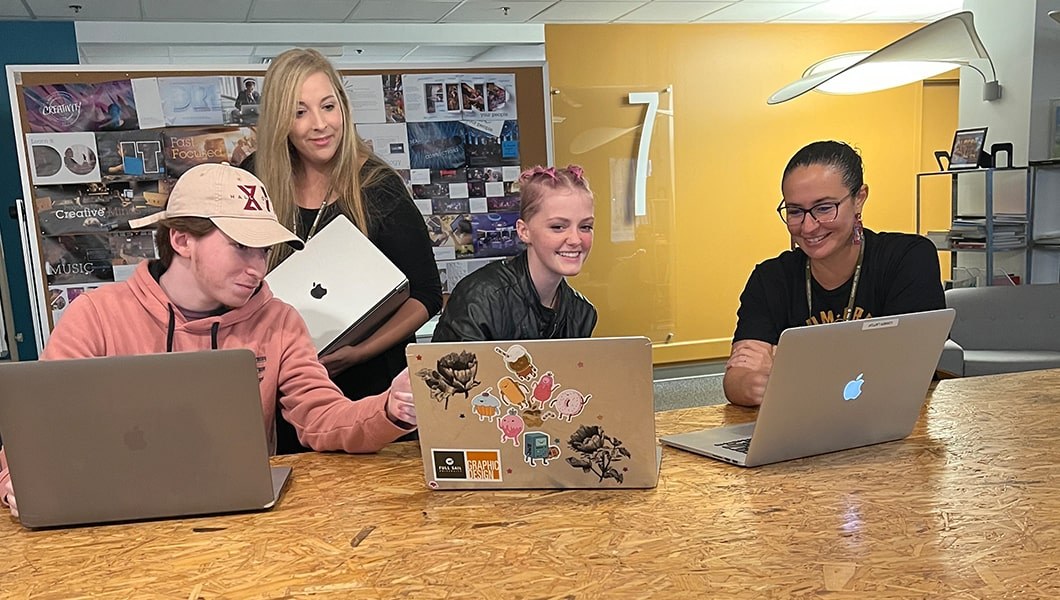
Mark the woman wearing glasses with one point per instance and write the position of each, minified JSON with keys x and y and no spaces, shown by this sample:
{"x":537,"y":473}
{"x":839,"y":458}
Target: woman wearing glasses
{"x":837,"y":269}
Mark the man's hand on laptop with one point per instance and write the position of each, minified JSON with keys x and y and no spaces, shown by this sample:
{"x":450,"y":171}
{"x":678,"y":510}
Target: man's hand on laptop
{"x":751,"y":362}
{"x":399,"y":405}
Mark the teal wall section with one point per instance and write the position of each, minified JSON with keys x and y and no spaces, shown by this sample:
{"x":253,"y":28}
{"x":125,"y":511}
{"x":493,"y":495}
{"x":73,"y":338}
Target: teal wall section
{"x":24,"y":43}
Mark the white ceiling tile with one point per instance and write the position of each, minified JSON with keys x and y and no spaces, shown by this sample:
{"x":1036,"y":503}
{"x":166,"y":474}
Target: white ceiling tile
{"x":111,"y":10}
{"x":199,"y":11}
{"x":215,"y":60}
{"x":13,"y":9}
{"x":313,"y":11}
{"x":488,"y":11}
{"x":214,"y":50}
{"x":910,"y":10}
{"x":581,"y":11}
{"x":831,"y":11}
{"x":662,"y":11}
{"x":129,"y":60}
{"x":123,"y":50}
{"x":461,"y":52}
{"x":755,"y":12}
{"x":401,"y":11}
{"x":377,"y":51}
{"x":275,"y":49}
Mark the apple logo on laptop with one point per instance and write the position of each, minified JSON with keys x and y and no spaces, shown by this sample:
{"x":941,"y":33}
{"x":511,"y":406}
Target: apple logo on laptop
{"x":318,"y":291}
{"x":853,"y":388}
{"x":134,"y":439}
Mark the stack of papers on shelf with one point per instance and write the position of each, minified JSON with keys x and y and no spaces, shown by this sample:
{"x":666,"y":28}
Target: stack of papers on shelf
{"x":970,"y":233}
{"x":1048,"y":239}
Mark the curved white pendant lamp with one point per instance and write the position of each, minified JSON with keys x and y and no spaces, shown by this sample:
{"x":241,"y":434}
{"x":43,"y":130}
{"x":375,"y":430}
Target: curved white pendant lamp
{"x":937,"y":47}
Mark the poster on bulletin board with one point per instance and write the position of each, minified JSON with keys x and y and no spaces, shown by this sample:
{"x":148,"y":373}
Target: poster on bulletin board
{"x":104,"y":145}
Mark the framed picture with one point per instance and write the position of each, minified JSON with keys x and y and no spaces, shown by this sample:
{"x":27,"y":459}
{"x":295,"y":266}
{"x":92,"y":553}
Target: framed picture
{"x":1054,"y":128}
{"x":967,"y":144}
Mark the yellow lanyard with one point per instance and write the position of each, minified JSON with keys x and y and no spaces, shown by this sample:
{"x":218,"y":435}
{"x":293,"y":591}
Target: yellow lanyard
{"x":849,"y":311}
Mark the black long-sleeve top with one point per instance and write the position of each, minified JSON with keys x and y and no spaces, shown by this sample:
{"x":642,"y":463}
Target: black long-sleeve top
{"x":397,"y":228}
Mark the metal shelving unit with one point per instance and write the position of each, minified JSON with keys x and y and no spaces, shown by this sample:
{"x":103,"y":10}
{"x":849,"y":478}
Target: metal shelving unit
{"x":1020,"y":223}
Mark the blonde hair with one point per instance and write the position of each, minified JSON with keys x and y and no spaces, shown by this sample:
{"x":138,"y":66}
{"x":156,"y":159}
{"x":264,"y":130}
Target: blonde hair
{"x":277,"y":160}
{"x":537,"y":182}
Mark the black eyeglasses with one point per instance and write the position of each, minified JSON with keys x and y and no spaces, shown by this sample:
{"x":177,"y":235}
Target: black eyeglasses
{"x":823,"y":212}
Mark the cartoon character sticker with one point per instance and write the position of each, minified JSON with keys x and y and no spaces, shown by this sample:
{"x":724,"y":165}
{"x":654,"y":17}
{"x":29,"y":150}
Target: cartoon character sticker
{"x":518,"y":361}
{"x":486,"y":406}
{"x":512,"y":392}
{"x":536,"y":448}
{"x":511,"y":425}
{"x":544,"y":388}
{"x":568,"y":404}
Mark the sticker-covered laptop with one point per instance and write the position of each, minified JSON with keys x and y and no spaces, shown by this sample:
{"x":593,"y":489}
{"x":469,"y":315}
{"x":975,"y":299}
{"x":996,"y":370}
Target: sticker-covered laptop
{"x":548,"y":414}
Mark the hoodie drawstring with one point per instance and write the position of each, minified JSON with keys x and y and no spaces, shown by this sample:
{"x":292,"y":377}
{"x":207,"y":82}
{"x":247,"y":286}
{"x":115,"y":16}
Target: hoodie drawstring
{"x":170,"y":329}
{"x":173,"y":326}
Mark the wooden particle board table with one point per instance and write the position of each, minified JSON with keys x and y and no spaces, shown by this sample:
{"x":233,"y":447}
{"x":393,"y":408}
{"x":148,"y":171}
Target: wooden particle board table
{"x":967,"y":507}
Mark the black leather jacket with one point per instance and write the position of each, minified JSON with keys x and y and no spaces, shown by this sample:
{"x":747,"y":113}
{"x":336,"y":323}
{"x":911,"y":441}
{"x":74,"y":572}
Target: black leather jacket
{"x":500,"y":302}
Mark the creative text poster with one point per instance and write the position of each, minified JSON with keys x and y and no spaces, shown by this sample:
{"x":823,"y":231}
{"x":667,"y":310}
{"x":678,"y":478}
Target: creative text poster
{"x":241,"y":99}
{"x":96,"y":207}
{"x":438,"y":145}
{"x":191,"y":100}
{"x":434,"y":97}
{"x":127,"y":155}
{"x":389,"y":140}
{"x":186,"y":148}
{"x":366,"y":98}
{"x":84,"y":258}
{"x":58,"y":158}
{"x":66,"y":107}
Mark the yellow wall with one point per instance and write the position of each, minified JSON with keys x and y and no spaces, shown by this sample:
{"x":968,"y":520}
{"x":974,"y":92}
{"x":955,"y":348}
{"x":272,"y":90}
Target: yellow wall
{"x":711,"y":213}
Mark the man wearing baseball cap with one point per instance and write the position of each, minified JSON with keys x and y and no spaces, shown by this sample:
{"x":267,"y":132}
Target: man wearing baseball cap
{"x":207,"y":291}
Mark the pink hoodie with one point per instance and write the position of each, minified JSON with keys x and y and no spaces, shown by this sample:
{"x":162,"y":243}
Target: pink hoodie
{"x":136,"y":317}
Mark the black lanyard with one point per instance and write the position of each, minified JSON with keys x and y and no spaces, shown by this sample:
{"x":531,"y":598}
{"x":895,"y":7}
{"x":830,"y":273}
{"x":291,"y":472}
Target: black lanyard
{"x":316,"y":221}
{"x":849,"y":311}
{"x":320,"y":211}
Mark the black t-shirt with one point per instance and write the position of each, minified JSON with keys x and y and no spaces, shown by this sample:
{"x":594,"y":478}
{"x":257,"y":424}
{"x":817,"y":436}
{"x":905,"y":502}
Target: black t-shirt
{"x":899,"y":274}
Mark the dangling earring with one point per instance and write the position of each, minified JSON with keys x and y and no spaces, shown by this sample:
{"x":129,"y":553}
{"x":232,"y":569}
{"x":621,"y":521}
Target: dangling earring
{"x":858,"y":233}
{"x":793,"y":244}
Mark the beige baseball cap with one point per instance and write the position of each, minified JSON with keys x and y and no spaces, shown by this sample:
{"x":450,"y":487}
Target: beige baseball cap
{"x":233,"y":199}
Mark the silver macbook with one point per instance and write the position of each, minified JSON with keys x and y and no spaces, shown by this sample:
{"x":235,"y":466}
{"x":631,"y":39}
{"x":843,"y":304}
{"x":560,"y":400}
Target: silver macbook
{"x":835,"y":386}
{"x":126,"y":438}
{"x":342,"y":285}
{"x":536,"y":414}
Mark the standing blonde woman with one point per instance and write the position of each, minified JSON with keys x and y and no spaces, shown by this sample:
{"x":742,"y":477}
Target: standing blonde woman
{"x":316,"y":168}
